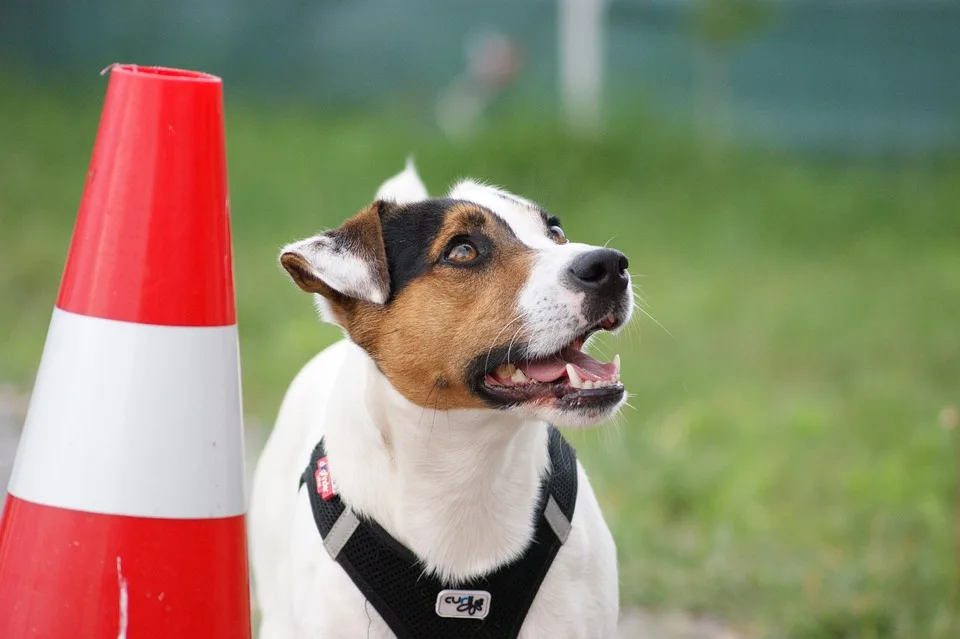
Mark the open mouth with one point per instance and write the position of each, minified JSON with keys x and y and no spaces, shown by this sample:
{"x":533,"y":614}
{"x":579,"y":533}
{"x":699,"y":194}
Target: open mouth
{"x":569,"y":377}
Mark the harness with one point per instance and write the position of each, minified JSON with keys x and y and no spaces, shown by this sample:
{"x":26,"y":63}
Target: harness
{"x":417,"y":605}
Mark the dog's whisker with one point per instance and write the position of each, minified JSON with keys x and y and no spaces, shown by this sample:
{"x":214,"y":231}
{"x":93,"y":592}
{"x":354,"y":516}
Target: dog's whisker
{"x":447,"y":413}
{"x":610,"y":438}
{"x":642,"y":310}
{"x":510,"y":345}
{"x":436,"y":404}
{"x":595,"y":346}
{"x":435,"y":387}
{"x":486,"y":366}
{"x":638,"y":294}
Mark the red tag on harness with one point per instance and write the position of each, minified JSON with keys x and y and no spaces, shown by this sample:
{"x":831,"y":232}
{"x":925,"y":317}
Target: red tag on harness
{"x":326,"y":487}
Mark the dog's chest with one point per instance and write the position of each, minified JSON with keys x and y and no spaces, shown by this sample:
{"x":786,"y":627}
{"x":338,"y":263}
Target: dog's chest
{"x":572,"y":601}
{"x":577,"y":599}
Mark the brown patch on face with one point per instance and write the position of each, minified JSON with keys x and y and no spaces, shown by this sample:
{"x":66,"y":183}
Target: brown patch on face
{"x":425,"y":338}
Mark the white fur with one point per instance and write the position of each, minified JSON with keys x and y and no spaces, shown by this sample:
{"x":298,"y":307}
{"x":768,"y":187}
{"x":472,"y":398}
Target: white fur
{"x":403,"y":188}
{"x":456,"y":487}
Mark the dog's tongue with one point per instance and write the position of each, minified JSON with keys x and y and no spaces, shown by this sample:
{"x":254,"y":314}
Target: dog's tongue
{"x":551,"y":369}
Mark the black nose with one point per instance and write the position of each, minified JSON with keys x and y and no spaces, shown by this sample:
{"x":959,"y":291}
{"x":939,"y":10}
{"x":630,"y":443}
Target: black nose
{"x":601,"y":271}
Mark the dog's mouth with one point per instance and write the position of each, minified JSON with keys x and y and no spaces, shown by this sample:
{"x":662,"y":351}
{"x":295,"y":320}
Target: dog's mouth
{"x":569,"y":377}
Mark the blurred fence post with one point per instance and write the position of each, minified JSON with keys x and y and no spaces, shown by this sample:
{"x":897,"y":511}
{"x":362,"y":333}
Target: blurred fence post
{"x":581,"y":42}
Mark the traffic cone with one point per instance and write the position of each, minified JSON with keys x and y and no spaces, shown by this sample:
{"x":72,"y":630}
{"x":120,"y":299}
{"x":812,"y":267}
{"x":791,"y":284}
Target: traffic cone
{"x":125,"y":515}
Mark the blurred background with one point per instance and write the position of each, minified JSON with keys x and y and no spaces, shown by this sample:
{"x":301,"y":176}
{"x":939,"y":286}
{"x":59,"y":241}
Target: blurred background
{"x":784,"y":176}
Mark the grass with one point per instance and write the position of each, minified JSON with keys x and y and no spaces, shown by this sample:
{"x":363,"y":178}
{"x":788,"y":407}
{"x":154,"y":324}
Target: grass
{"x":783,"y":465}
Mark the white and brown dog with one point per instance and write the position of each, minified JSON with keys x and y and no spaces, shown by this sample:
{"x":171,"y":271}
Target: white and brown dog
{"x":465,"y":319}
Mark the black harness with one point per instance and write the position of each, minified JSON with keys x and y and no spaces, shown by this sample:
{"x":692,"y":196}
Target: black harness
{"x":417,"y":605}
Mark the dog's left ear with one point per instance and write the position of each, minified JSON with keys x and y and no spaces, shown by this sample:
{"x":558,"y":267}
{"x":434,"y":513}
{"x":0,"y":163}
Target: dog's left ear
{"x":348,"y":263}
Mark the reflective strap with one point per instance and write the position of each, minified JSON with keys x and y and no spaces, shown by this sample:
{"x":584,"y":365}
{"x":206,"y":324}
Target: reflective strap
{"x":557,"y":520}
{"x":341,"y":532}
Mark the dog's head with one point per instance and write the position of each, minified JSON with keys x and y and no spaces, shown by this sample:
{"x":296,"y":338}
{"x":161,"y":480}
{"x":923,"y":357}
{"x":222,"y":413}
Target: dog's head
{"x":475,"y":300}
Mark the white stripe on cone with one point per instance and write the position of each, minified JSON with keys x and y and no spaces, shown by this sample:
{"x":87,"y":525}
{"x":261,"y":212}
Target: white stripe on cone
{"x":134,"y":419}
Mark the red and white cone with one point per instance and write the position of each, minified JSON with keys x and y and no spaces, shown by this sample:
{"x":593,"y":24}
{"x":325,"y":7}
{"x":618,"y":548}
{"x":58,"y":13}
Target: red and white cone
{"x":125,"y":515}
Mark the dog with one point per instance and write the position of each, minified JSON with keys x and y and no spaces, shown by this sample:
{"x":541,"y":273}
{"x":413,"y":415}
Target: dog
{"x":465,"y":317}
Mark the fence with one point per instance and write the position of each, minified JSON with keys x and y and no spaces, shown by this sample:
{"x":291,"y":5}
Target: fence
{"x":850,"y":76}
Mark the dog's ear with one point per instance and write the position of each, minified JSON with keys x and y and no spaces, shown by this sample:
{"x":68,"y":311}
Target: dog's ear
{"x":347,"y":263}
{"x":405,"y":187}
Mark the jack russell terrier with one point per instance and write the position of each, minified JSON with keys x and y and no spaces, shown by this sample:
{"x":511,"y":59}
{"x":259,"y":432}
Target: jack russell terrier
{"x":414,"y":485}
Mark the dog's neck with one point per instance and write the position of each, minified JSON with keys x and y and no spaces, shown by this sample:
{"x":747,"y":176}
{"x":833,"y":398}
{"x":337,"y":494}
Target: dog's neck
{"x":458,"y":488}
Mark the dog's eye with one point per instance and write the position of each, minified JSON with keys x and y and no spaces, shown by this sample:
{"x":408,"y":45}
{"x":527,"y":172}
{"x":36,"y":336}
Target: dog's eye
{"x":556,"y":233}
{"x":463,"y":253}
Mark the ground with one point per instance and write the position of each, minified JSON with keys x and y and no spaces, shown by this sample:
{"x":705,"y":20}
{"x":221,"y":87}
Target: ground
{"x":789,"y":461}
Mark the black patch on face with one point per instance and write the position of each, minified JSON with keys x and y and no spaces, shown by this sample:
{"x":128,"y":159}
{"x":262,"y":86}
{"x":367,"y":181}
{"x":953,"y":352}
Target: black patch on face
{"x":411,"y":229}
{"x":482,"y":364}
{"x":408,"y":233}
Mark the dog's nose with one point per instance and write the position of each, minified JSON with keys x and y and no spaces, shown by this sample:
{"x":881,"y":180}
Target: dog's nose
{"x":602,"y":271}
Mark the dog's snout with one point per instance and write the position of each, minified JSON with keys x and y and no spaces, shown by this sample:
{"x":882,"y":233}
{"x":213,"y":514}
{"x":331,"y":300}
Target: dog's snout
{"x":602,"y":271}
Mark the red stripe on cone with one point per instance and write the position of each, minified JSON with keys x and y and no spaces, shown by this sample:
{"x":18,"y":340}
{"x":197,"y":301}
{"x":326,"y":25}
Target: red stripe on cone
{"x":61,"y":576}
{"x":152,"y":238}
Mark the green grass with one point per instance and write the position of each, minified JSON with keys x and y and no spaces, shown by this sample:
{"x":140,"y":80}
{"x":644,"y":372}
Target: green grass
{"x":782,"y":466}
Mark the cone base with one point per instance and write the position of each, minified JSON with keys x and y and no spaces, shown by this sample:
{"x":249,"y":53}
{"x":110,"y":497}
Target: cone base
{"x":64,"y":572}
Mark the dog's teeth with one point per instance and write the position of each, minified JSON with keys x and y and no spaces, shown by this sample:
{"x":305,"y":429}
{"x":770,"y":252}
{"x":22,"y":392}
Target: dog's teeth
{"x":505,"y":371}
{"x":575,"y":380}
{"x":603,"y":383}
{"x":518,"y":377}
{"x":616,"y":365}
{"x":587,"y":383}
